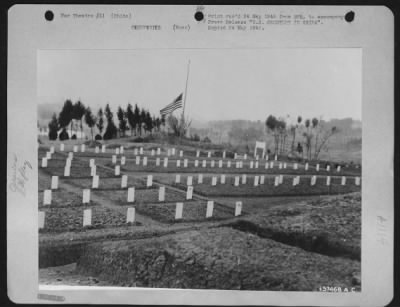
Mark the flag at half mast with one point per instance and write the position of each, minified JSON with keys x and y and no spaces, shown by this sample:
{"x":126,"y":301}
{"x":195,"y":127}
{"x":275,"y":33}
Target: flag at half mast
{"x":176,"y":104}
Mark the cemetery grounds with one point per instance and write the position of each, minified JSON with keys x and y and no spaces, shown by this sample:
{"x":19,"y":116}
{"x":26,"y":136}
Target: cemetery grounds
{"x":301,"y":237}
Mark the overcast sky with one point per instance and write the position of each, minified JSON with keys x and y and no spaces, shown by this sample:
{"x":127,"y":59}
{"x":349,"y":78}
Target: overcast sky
{"x":223,"y":84}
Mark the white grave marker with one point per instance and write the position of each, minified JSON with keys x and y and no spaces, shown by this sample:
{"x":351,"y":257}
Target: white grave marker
{"x":237,"y":164}
{"x":144,"y":161}
{"x":220,"y":163}
{"x":256,"y":164}
{"x":67,"y":171}
{"x":338,"y":168}
{"x":152,"y":152}
{"x":131,"y":195}
{"x":284,"y":165}
{"x":114,"y":159}
{"x":91,"y":162}
{"x":328,"y":180}
{"x":165,"y":162}
{"x":173,"y":151}
{"x":135,"y":151}
{"x":197,"y":154}
{"x":130,"y":215}
{"x":161,"y":194}
{"x":124,"y":181}
{"x":276,"y":183}
{"x":178,"y":163}
{"x":75,"y":148}
{"x":245,"y":156}
{"x":44,"y":162}
{"x":343,"y":180}
{"x":54,"y":182}
{"x":328,"y":168}
{"x":266,"y":165}
{"x":62,"y":146}
{"x":306,"y":166}
{"x":137,"y":160}
{"x":223,"y":179}
{"x":262,"y":179}
{"x":189,"y":181}
{"x":209,"y":154}
{"x":41,"y":219}
{"x":212,"y":163}
{"x":158,"y":162}
{"x":103,"y":148}
{"x":210,"y":208}
{"x":237,"y":181}
{"x":149,"y":182}
{"x":121,"y":150}
{"x":251,"y":164}
{"x":96,"y":149}
{"x":271,"y":164}
{"x":238,"y":208}
{"x":224,"y":155}
{"x":86,"y":196}
{"x":117,"y":170}
{"x":244,"y":178}
{"x":256,"y":180}
{"x":317,"y":168}
{"x":47,"y":197}
{"x":189,"y":192}
{"x":185,"y":163}
{"x":87,"y":217}
{"x":313,"y":180}
{"x":200,"y":179}
{"x":228,"y":164}
{"x":141,"y":150}
{"x":178,"y":211}
{"x":295,"y":166}
{"x":357,"y":180}
{"x":158,"y":151}
{"x":95,"y":182}
{"x":178,"y":178}
{"x":280,"y":179}
{"x":51,"y":149}
{"x":93,"y":170}
{"x":117,"y":151}
{"x":214,"y":181}
{"x":181,"y":153}
{"x":48,"y":155}
{"x":83,"y":147}
{"x":204,"y":163}
{"x":123,"y":160}
{"x":196,"y":163}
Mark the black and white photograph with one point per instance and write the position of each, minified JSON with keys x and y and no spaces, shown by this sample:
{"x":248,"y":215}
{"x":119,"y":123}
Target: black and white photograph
{"x":200,"y":169}
{"x":208,"y":155}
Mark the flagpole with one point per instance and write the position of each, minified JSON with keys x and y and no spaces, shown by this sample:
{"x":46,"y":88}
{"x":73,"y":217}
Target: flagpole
{"x":187,"y":79}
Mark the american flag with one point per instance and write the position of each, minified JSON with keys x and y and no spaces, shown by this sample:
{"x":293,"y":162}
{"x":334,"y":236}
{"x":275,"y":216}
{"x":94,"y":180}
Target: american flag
{"x":176,"y":104}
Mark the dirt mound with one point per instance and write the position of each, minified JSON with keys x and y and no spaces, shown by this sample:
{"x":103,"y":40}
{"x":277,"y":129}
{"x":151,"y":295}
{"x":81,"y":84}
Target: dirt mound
{"x":217,"y":258}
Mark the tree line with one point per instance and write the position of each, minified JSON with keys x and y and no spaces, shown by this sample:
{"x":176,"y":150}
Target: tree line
{"x":137,"y":120}
{"x":313,"y":135}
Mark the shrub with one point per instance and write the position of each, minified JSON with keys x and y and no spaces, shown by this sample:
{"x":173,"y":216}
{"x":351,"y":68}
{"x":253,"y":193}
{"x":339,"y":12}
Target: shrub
{"x":206,"y":140}
{"x":63,"y":135}
{"x":98,"y":137}
{"x":53,"y":135}
{"x":73,"y":137}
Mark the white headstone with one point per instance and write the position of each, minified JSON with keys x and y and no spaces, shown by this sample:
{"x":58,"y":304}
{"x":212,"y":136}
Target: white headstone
{"x":223,"y":179}
{"x":86,"y":196}
{"x":266,"y":165}
{"x":210,"y":208}
{"x":124,"y":181}
{"x":158,"y":151}
{"x":237,"y":181}
{"x":121,"y":150}
{"x":68,"y":162}
{"x":114,"y":159}
{"x":295,"y":166}
{"x":130,"y":215}
{"x":245,"y":156}
{"x":181,"y":153}
{"x":317,"y":167}
{"x":70,"y":155}
{"x":117,"y":151}
{"x":67,"y":171}
{"x":117,"y":170}
{"x":276,"y":183}
{"x":214,"y":181}
{"x":161,"y":194}
{"x":328,"y":168}
{"x":343,"y":180}
{"x":235,"y":156}
{"x":280,"y":166}
{"x":83,"y":147}
{"x":144,"y":161}
{"x":165,"y":162}
{"x":47,"y":197}
{"x":87,"y":217}
{"x":200,"y":179}
{"x":152,"y":152}
{"x":220,"y":163}
{"x":62,"y":146}
{"x":228,"y":164}
{"x":313,"y":180}
{"x":244,"y":178}
{"x":158,"y":161}
{"x":276,"y":157}
{"x":267,"y":157}
{"x":224,"y":155}
{"x":262,"y":179}
{"x":168,"y":152}
{"x":48,"y":155}
{"x":284,"y":165}
{"x":75,"y":148}
{"x":178,"y":178}
{"x":294,"y":181}
{"x":280,"y":179}
{"x":251,"y":164}
{"x":131,"y":195}
{"x":54,"y":182}
{"x":93,"y":170}
{"x":271,"y":164}
{"x":95,"y":182}
{"x":149,"y":182}
{"x":198,"y":153}
{"x":196,"y":163}
{"x":209,"y":154}
{"x":357,"y":180}
{"x":328,"y":180}
{"x":237,"y":164}
{"x":212,"y":163}
{"x":238,"y":208}
{"x":44,"y":162}
{"x":123,"y":160}
{"x":178,"y":163}
{"x":103,"y":148}
{"x":256,"y":164}
{"x":189,"y":180}
{"x":306,"y":166}
{"x":135,"y":151}
{"x":137,"y":160}
{"x":189,"y":192}
{"x":173,"y":151}
{"x":204,"y":163}
{"x":42,"y":215}
{"x":185,"y":163}
{"x":96,"y":149}
{"x":141,"y":150}
{"x":91,"y":162}
{"x":256,"y":180}
{"x":338,"y":168}
{"x":178,"y":211}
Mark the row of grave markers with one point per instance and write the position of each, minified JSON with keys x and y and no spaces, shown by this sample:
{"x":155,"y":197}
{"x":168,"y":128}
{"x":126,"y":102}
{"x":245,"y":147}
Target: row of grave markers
{"x":130,"y":215}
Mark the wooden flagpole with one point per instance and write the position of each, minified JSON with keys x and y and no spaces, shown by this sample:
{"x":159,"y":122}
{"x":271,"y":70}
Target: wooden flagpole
{"x":187,"y":80}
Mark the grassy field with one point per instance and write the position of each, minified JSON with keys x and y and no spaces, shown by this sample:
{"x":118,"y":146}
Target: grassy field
{"x":287,"y":237}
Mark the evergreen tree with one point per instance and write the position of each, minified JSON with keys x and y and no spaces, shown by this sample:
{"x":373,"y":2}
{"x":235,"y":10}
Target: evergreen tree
{"x":136,"y":118}
{"x":111,"y":129}
{"x":122,"y":121}
{"x":65,"y":116}
{"x":142,"y":121}
{"x":77,"y":113}
{"x":90,"y":120}
{"x":100,"y":121}
{"x":131,"y":117}
{"x":53,"y":128}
